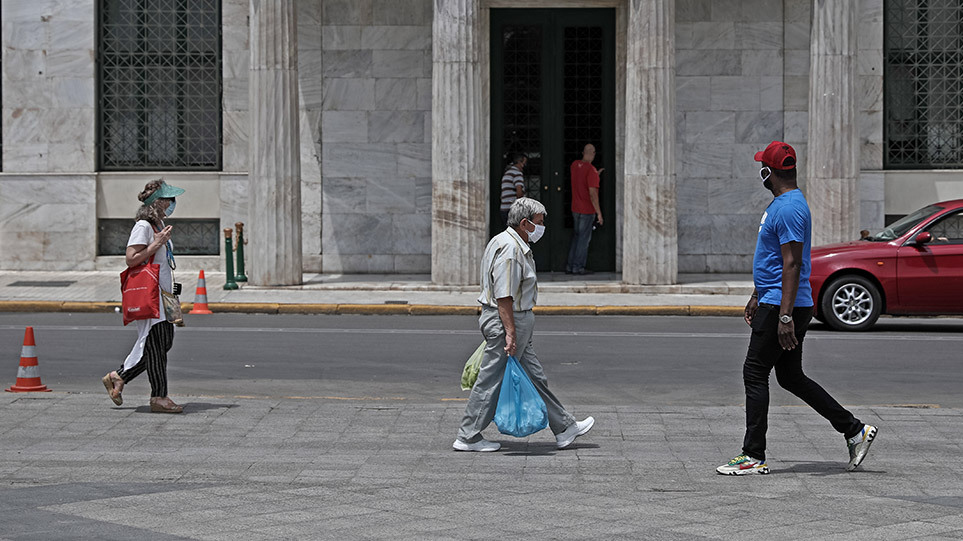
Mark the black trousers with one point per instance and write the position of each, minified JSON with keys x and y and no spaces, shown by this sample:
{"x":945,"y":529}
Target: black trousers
{"x":154,"y":360}
{"x":765,"y":353}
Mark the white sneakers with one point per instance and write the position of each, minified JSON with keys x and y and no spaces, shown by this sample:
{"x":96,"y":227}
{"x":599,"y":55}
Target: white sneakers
{"x":562,"y":440}
{"x":743,"y":465}
{"x":859,"y":446}
{"x":579,"y":428}
{"x":480,"y":446}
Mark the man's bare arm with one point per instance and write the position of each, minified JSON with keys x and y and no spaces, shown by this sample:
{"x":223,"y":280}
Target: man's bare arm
{"x":507,"y":316}
{"x":594,"y":196}
{"x":791,"y":267}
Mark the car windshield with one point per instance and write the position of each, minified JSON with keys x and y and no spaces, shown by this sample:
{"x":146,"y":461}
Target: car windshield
{"x":900,"y":227}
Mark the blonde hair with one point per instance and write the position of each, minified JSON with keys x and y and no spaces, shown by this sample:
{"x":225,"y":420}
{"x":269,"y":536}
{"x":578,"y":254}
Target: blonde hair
{"x":152,"y":213}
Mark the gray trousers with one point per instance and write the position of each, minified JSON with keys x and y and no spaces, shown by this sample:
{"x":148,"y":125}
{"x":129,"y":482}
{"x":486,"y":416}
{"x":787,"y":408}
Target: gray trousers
{"x":484,"y":395}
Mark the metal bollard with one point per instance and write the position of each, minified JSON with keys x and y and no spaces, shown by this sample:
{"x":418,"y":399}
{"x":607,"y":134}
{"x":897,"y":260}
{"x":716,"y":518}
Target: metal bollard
{"x":239,"y":248}
{"x":229,"y":282}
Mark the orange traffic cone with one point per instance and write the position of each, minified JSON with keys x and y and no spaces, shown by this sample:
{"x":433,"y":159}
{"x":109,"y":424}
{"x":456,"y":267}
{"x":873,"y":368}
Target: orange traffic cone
{"x":200,"y":297}
{"x":28,"y":375}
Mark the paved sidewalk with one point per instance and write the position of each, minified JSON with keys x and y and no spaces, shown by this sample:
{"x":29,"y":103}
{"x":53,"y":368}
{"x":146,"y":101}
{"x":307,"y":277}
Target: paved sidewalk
{"x":73,"y":466}
{"x":703,"y":294}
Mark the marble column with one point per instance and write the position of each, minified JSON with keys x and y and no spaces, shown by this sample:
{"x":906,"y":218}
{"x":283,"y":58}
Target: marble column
{"x":833,"y":162}
{"x":649,"y":228}
{"x":274,"y":176}
{"x":459,"y":130}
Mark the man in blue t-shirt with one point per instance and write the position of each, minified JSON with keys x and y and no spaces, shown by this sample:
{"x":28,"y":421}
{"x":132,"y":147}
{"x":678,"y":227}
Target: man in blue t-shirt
{"x":779,"y":312}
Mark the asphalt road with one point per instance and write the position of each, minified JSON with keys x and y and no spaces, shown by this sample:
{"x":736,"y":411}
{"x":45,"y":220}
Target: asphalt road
{"x":690,"y":361}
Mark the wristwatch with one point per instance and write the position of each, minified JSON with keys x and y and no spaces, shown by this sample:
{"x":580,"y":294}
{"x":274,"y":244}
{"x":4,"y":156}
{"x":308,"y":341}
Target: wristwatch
{"x":785,"y":318}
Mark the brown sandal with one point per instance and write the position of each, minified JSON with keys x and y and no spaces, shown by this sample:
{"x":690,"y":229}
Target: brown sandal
{"x":109,"y":384}
{"x":156,"y":406}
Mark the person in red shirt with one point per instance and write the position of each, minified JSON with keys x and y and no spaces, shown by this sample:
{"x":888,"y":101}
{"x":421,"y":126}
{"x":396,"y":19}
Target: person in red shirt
{"x":585,"y":209}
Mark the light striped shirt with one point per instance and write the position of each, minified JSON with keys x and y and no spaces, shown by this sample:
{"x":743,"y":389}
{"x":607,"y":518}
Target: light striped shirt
{"x":508,"y":270}
{"x":513,"y":177}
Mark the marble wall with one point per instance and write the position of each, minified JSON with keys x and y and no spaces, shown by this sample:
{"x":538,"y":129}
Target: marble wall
{"x":376,"y":135}
{"x":364,"y":69}
{"x":869,"y":89}
{"x":742,"y":69}
{"x":742,"y":80}
{"x":47,"y":221}
{"x":729,"y":104}
{"x":47,"y":190}
{"x":48,"y":85}
{"x":236,"y":120}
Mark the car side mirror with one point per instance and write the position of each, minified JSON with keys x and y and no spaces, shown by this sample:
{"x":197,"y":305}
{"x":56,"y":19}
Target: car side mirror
{"x":923,"y":238}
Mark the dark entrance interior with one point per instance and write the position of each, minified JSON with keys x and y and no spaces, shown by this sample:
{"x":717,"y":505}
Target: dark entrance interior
{"x":553,"y":91}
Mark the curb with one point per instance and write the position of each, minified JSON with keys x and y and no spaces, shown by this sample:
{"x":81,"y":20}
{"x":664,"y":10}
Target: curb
{"x":382,"y":309}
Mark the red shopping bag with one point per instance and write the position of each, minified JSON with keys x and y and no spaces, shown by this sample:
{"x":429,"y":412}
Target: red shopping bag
{"x":138,"y":287}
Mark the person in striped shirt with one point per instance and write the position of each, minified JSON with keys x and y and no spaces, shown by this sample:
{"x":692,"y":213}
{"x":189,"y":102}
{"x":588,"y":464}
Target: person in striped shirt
{"x":513,"y":184}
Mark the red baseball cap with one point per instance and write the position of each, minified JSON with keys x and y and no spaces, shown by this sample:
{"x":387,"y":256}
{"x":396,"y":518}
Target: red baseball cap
{"x":778,"y":155}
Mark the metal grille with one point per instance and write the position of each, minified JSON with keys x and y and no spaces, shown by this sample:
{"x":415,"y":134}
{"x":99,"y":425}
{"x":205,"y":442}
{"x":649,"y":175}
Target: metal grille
{"x":522,"y":97}
{"x":582,"y":87}
{"x":948,"y":230}
{"x":160,"y":84}
{"x":190,"y":236}
{"x":923,"y":84}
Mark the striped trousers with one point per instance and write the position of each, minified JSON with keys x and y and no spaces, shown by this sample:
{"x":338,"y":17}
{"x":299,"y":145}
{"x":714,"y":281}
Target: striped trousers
{"x":154,"y":360}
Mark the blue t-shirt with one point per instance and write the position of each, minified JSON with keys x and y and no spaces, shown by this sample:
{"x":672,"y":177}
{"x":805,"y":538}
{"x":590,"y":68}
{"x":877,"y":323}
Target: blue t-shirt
{"x":787,"y":219}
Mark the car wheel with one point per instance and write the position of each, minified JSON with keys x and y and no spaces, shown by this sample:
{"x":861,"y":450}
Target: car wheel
{"x":851,"y":303}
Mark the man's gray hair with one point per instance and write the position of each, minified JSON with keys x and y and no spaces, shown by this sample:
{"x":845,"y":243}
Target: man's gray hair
{"x":524,"y":208}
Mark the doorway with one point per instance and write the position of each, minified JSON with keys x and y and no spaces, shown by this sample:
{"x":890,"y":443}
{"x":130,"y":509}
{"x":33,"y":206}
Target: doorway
{"x":553,"y":91}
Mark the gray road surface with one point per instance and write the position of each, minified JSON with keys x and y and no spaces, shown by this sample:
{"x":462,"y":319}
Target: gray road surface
{"x":589,"y":360}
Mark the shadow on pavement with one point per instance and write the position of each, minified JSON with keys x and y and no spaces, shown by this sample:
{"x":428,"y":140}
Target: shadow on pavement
{"x":822,"y":469}
{"x":541,"y":449}
{"x":189,"y":407}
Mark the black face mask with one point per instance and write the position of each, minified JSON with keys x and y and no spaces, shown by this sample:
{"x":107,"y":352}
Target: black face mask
{"x":766,"y":175}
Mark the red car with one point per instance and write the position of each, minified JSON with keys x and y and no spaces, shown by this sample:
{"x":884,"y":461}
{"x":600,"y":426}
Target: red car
{"x":912,"y":267}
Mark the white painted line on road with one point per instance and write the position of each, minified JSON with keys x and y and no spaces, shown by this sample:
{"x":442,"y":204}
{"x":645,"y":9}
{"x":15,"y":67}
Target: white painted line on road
{"x":922,"y":337}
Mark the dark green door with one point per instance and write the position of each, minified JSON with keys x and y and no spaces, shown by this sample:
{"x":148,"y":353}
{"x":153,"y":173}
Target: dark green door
{"x":553,"y":91}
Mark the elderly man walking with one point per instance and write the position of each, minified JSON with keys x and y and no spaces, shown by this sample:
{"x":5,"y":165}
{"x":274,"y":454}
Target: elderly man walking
{"x":779,"y":312}
{"x":509,"y":292}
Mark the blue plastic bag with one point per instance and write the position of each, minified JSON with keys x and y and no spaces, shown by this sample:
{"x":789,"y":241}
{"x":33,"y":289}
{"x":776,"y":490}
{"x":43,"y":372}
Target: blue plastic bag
{"x":520,"y":410}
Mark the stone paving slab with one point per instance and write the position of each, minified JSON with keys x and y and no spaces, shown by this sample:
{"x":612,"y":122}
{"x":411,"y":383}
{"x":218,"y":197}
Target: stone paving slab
{"x":232,"y":468}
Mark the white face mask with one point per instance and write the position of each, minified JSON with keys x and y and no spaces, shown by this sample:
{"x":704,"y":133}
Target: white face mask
{"x":537,"y":234}
{"x":766,"y":175}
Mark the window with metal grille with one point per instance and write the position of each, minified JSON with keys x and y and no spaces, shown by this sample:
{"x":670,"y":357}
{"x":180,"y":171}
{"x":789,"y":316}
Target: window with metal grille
{"x":190,"y":236}
{"x":923,"y":84}
{"x":160,"y":84}
{"x":583,"y":100}
{"x":522,"y":131}
{"x":949,"y":230}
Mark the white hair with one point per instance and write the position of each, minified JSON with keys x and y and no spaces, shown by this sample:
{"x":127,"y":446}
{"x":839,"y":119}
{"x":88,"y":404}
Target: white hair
{"x":524,"y":208}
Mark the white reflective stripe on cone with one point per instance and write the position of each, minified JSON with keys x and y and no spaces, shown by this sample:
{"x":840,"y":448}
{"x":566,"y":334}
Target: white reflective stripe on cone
{"x":29,"y":352}
{"x":25,"y":372}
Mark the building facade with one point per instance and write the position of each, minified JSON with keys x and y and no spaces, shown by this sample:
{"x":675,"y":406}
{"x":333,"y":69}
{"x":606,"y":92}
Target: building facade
{"x":388,"y":123}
